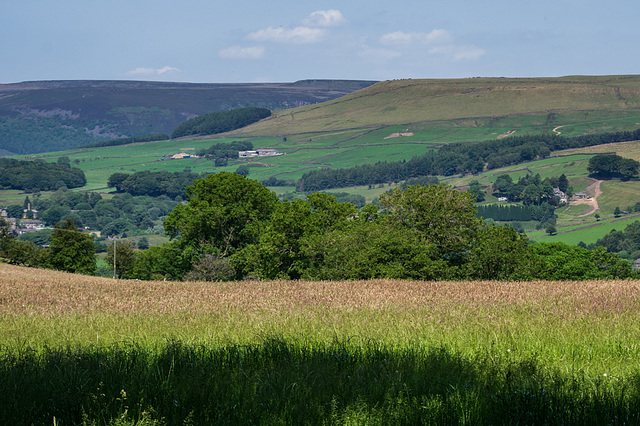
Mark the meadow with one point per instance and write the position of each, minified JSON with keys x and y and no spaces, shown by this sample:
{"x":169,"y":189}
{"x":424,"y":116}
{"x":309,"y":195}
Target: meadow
{"x":87,"y":350}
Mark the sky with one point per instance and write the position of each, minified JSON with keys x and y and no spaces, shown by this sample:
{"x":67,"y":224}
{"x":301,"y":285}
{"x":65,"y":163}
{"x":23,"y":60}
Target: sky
{"x":248,"y":41}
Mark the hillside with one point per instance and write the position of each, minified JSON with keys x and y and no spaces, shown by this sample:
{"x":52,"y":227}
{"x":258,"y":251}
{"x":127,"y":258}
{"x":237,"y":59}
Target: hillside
{"x":472,"y":102}
{"x":56,"y":115}
{"x":398,"y":120}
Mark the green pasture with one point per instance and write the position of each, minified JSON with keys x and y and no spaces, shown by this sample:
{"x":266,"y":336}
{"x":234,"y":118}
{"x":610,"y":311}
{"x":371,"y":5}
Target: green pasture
{"x":587,"y":232}
{"x":618,"y":194}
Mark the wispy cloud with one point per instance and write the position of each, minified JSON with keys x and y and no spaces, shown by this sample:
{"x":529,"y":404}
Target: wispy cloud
{"x":154,"y":71}
{"x":239,"y":52}
{"x":325,"y":18}
{"x":312,"y":30}
{"x":436,"y":36}
{"x":437,"y":42}
{"x":297,"y":35}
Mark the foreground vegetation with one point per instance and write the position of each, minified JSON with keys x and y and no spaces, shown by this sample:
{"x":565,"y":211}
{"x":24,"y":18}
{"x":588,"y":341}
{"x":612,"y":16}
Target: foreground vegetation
{"x":101,"y":351}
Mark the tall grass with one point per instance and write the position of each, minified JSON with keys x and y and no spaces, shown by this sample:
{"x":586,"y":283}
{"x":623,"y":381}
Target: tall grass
{"x":104,"y":351}
{"x":279,"y":382}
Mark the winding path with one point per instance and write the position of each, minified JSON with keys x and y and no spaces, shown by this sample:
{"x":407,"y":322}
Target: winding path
{"x":595,"y":189}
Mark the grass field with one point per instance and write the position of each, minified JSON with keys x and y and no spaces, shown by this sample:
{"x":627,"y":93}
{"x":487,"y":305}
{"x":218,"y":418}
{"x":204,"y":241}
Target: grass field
{"x":96,"y":350}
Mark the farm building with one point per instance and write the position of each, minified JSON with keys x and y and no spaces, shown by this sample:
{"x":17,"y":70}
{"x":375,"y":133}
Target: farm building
{"x":262,"y":152}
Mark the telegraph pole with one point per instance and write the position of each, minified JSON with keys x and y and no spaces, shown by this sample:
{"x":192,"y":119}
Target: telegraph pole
{"x":114,"y":258}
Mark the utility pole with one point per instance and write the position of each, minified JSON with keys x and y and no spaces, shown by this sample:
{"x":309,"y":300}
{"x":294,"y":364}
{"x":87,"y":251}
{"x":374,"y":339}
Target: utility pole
{"x":114,"y":258}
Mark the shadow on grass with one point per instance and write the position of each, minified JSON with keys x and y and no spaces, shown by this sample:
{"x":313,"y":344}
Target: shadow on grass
{"x":280,"y":382}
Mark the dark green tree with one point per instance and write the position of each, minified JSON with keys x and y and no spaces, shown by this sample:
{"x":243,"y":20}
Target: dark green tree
{"x":563,"y":183}
{"x":72,"y":250}
{"x":54,"y":214}
{"x":475,"y":188}
{"x":551,"y":229}
{"x":143,"y":243}
{"x":15,"y":211}
{"x":116,"y":179}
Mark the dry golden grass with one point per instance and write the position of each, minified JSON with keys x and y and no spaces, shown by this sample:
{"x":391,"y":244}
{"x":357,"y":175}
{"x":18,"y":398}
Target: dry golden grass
{"x":34,"y":291}
{"x":585,"y":325}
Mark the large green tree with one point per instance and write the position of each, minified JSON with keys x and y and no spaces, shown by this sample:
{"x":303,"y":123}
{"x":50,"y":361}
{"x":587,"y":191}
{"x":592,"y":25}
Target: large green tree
{"x":225,"y":212}
{"x":443,"y":216}
{"x":72,"y":250}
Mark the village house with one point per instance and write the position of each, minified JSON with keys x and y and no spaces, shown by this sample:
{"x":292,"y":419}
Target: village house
{"x":561,"y":195}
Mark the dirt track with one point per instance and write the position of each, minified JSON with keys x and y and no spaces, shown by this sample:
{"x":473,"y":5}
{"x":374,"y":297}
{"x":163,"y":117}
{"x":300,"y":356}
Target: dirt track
{"x":594,"y":189}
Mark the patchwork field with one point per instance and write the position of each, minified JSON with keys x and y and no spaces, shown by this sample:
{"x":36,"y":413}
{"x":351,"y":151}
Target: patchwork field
{"x":357,"y":352}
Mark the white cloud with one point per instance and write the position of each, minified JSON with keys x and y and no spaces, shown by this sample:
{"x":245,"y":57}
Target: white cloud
{"x":438,"y":42}
{"x":239,"y":52}
{"x":325,"y":18}
{"x":298,"y":35}
{"x":153,"y":71}
{"x":436,"y":36}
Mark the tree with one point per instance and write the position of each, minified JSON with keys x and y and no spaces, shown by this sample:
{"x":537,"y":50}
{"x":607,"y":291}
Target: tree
{"x":612,"y":165}
{"x":71,"y":250}
{"x":617,"y":212}
{"x":116,"y":179}
{"x":476,"y":190}
{"x":6,"y":236}
{"x":287,"y":245}
{"x":143,"y":243}
{"x":23,"y":253}
{"x":225,"y":212}
{"x":211,"y":268}
{"x":125,"y":257}
{"x":54,"y":214}
{"x":15,"y":211}
{"x":499,"y":252}
{"x":563,"y":183}
{"x":163,"y":262}
{"x":443,"y":216}
{"x":551,"y":229}
{"x":243,"y":170}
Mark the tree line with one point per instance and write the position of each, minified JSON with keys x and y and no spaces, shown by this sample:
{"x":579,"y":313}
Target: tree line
{"x":235,"y":228}
{"x":153,"y":184}
{"x":220,"y":121}
{"x":38,"y":175}
{"x":456,"y":158}
{"x":153,"y":137}
{"x":607,"y":166}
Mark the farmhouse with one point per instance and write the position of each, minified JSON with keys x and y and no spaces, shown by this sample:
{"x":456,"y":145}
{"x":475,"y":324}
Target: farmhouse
{"x":262,"y":152}
{"x":561,"y":195}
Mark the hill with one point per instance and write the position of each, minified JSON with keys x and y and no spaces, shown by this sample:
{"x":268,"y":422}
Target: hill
{"x":398,"y":120}
{"x":471,"y":102}
{"x":56,"y":115}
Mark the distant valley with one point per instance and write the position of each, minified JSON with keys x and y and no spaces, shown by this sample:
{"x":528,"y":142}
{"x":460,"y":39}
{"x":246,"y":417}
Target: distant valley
{"x":45,"y":116}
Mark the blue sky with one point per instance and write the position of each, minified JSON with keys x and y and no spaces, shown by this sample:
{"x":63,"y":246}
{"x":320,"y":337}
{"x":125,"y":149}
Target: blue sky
{"x":281,"y":40}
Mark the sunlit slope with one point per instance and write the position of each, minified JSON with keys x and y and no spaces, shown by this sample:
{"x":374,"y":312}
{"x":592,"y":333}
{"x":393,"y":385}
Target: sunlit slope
{"x":414,"y":101}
